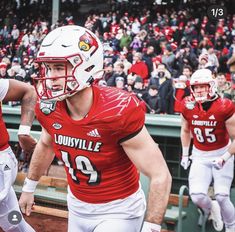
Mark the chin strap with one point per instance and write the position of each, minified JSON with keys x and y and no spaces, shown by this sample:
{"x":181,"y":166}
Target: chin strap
{"x":205,"y":105}
{"x":214,"y":97}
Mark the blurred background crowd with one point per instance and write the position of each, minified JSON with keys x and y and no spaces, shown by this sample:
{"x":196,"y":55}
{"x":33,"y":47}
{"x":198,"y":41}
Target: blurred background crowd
{"x":151,"y":48}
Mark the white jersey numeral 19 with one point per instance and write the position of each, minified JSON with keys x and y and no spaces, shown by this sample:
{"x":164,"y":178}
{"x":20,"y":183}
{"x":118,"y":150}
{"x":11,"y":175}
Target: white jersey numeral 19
{"x":84,"y":165}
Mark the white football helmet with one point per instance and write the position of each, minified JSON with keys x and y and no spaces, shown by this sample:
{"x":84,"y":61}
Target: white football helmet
{"x":69,"y":44}
{"x":200,"y":77}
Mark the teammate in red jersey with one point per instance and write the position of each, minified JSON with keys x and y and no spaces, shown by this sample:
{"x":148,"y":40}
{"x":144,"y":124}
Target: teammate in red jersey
{"x":99,"y":134}
{"x":211,"y":122}
{"x":12,"y":90}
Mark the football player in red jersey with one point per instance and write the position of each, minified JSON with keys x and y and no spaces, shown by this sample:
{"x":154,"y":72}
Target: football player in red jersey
{"x":12,"y":90}
{"x":211,"y":122}
{"x":99,"y":134}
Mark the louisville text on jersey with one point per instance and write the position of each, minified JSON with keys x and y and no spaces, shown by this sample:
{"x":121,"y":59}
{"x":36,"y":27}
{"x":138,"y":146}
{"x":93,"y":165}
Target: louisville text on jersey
{"x":203,"y":123}
{"x":77,"y":143}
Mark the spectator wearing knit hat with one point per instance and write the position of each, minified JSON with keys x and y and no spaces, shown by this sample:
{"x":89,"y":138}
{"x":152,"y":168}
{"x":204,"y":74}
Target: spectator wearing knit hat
{"x":152,"y":100}
{"x":3,"y":71}
{"x":109,"y":55}
{"x":156,"y":61}
{"x":120,"y":83}
{"x":139,"y":89}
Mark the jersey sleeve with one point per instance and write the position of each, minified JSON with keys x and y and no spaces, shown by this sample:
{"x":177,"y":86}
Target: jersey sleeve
{"x":4,"y":86}
{"x":183,"y":107}
{"x":228,"y":108}
{"x":39,"y":114}
{"x":132,"y":122}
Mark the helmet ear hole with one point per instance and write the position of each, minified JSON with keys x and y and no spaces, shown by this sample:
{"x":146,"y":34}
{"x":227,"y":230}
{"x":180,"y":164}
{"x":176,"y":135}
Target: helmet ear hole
{"x":89,"y":68}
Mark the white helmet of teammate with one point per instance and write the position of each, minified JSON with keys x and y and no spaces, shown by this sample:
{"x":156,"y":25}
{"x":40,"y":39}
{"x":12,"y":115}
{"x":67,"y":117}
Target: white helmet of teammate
{"x":69,"y":44}
{"x":203,"y":77}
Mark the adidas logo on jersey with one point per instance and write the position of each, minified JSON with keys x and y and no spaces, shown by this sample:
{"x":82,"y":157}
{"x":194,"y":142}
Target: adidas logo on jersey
{"x":94,"y":133}
{"x":212,"y":117}
{"x":6,"y":168}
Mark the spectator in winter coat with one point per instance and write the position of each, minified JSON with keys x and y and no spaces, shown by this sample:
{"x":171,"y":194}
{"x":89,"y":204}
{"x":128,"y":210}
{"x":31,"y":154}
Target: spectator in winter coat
{"x":130,"y":82}
{"x":224,"y":87}
{"x":120,"y":83}
{"x":148,"y":57}
{"x":212,"y":58}
{"x":122,"y":58}
{"x":152,"y":100}
{"x":139,"y":67}
{"x":165,"y":90}
{"x":118,"y":72}
{"x":139,"y":89}
{"x":108,"y":71}
{"x":168,"y":59}
{"x":160,"y":72}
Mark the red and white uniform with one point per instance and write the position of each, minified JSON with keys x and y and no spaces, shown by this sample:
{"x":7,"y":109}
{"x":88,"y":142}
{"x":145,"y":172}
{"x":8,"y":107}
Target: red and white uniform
{"x":98,"y":170}
{"x":208,"y":127}
{"x":210,"y":140}
{"x":4,"y":85}
{"x":8,"y":172}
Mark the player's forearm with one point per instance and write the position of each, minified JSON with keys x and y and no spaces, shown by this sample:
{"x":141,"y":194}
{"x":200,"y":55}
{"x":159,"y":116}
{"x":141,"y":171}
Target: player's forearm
{"x":185,"y":138}
{"x":27,"y":107}
{"x":231,"y":148}
{"x":41,"y":159}
{"x":158,"y":197}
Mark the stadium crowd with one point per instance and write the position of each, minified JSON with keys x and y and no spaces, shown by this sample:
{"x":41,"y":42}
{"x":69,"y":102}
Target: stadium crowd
{"x":151,"y":52}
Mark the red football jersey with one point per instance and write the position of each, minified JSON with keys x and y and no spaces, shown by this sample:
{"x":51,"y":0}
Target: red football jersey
{"x":98,"y":170}
{"x":4,"y":134}
{"x":208,"y":127}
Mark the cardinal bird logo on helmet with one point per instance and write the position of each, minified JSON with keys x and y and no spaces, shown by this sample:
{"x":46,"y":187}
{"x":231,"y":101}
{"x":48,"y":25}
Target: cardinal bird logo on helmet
{"x":86,"y":42}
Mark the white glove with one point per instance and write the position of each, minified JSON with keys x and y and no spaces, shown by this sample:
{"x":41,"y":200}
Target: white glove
{"x":150,"y":227}
{"x":219,"y":162}
{"x":185,"y":162}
